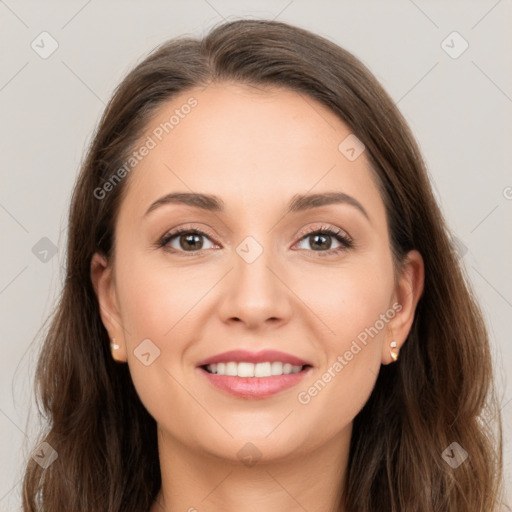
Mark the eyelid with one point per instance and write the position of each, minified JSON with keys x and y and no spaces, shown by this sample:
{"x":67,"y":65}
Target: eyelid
{"x":187,"y":228}
{"x":326,"y":227}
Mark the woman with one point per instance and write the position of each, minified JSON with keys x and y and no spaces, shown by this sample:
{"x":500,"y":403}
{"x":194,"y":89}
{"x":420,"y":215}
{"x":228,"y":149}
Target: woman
{"x":212,"y":349}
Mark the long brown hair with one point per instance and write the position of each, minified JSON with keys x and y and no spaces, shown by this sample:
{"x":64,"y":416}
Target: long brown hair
{"x":440,"y":391}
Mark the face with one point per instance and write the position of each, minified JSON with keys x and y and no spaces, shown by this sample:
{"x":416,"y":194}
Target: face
{"x":264,"y":271}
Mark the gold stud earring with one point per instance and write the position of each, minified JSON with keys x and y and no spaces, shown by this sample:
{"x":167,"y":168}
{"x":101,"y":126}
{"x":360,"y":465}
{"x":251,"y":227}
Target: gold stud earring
{"x":394,"y":350}
{"x":113,"y":347}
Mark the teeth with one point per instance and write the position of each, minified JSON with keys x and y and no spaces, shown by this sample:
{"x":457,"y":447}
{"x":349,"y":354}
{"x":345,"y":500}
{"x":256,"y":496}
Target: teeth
{"x":266,"y":369}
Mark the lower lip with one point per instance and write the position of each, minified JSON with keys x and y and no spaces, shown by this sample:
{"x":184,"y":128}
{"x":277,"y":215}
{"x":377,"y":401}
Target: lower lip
{"x":254,"y":387}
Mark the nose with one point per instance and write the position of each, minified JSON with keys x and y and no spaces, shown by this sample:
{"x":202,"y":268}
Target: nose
{"x":255,"y":292}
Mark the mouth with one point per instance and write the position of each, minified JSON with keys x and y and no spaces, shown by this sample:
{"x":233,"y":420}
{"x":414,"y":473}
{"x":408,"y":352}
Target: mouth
{"x":245,"y":369}
{"x":251,"y":381}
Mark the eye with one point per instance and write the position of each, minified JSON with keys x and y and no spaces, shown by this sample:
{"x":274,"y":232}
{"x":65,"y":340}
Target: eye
{"x":184,"y":240}
{"x":320,"y":240}
{"x":189,"y":240}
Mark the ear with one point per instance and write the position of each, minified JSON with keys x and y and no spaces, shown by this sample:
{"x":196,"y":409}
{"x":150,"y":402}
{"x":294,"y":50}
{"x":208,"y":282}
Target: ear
{"x":104,"y":287}
{"x":407,"y":294}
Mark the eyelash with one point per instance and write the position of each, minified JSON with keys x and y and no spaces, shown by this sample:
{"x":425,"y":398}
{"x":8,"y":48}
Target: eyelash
{"x":338,"y":234}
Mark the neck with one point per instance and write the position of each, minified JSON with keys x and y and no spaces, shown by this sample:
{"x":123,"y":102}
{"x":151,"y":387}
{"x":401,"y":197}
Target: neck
{"x":200,"y":482}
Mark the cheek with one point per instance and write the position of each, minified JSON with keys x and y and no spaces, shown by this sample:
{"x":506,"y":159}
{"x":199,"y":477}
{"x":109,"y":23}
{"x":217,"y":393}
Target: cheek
{"x":354,"y":309}
{"x":155,"y":297}
{"x":347,"y":299}
{"x":160,"y":303}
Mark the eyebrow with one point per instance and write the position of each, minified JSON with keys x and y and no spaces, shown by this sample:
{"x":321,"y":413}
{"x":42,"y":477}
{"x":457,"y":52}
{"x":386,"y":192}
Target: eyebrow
{"x":298,"y":203}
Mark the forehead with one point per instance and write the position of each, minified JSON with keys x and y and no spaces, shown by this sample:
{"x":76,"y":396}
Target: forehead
{"x":255,"y":147}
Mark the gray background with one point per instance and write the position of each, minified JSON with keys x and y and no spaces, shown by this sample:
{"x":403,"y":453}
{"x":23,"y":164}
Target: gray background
{"x":459,"y":110}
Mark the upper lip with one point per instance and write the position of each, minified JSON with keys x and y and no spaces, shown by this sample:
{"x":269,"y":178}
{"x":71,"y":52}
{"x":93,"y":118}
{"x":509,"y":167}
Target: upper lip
{"x":239,"y":356}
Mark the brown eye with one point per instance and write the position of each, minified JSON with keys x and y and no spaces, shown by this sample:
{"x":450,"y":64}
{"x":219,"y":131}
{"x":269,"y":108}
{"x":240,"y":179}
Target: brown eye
{"x":190,"y":241}
{"x":320,"y":240}
{"x":185,"y":240}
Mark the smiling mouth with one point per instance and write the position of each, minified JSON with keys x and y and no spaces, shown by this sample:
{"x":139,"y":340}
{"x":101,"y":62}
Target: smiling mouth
{"x":254,"y":381}
{"x":254,"y":370}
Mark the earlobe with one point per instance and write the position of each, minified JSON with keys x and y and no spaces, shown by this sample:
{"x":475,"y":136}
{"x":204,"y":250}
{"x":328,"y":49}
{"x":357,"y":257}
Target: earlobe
{"x":408,"y":292}
{"x":101,"y":277}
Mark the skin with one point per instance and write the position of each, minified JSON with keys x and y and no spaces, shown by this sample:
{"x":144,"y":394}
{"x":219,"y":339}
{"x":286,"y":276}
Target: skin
{"x":254,"y":148}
